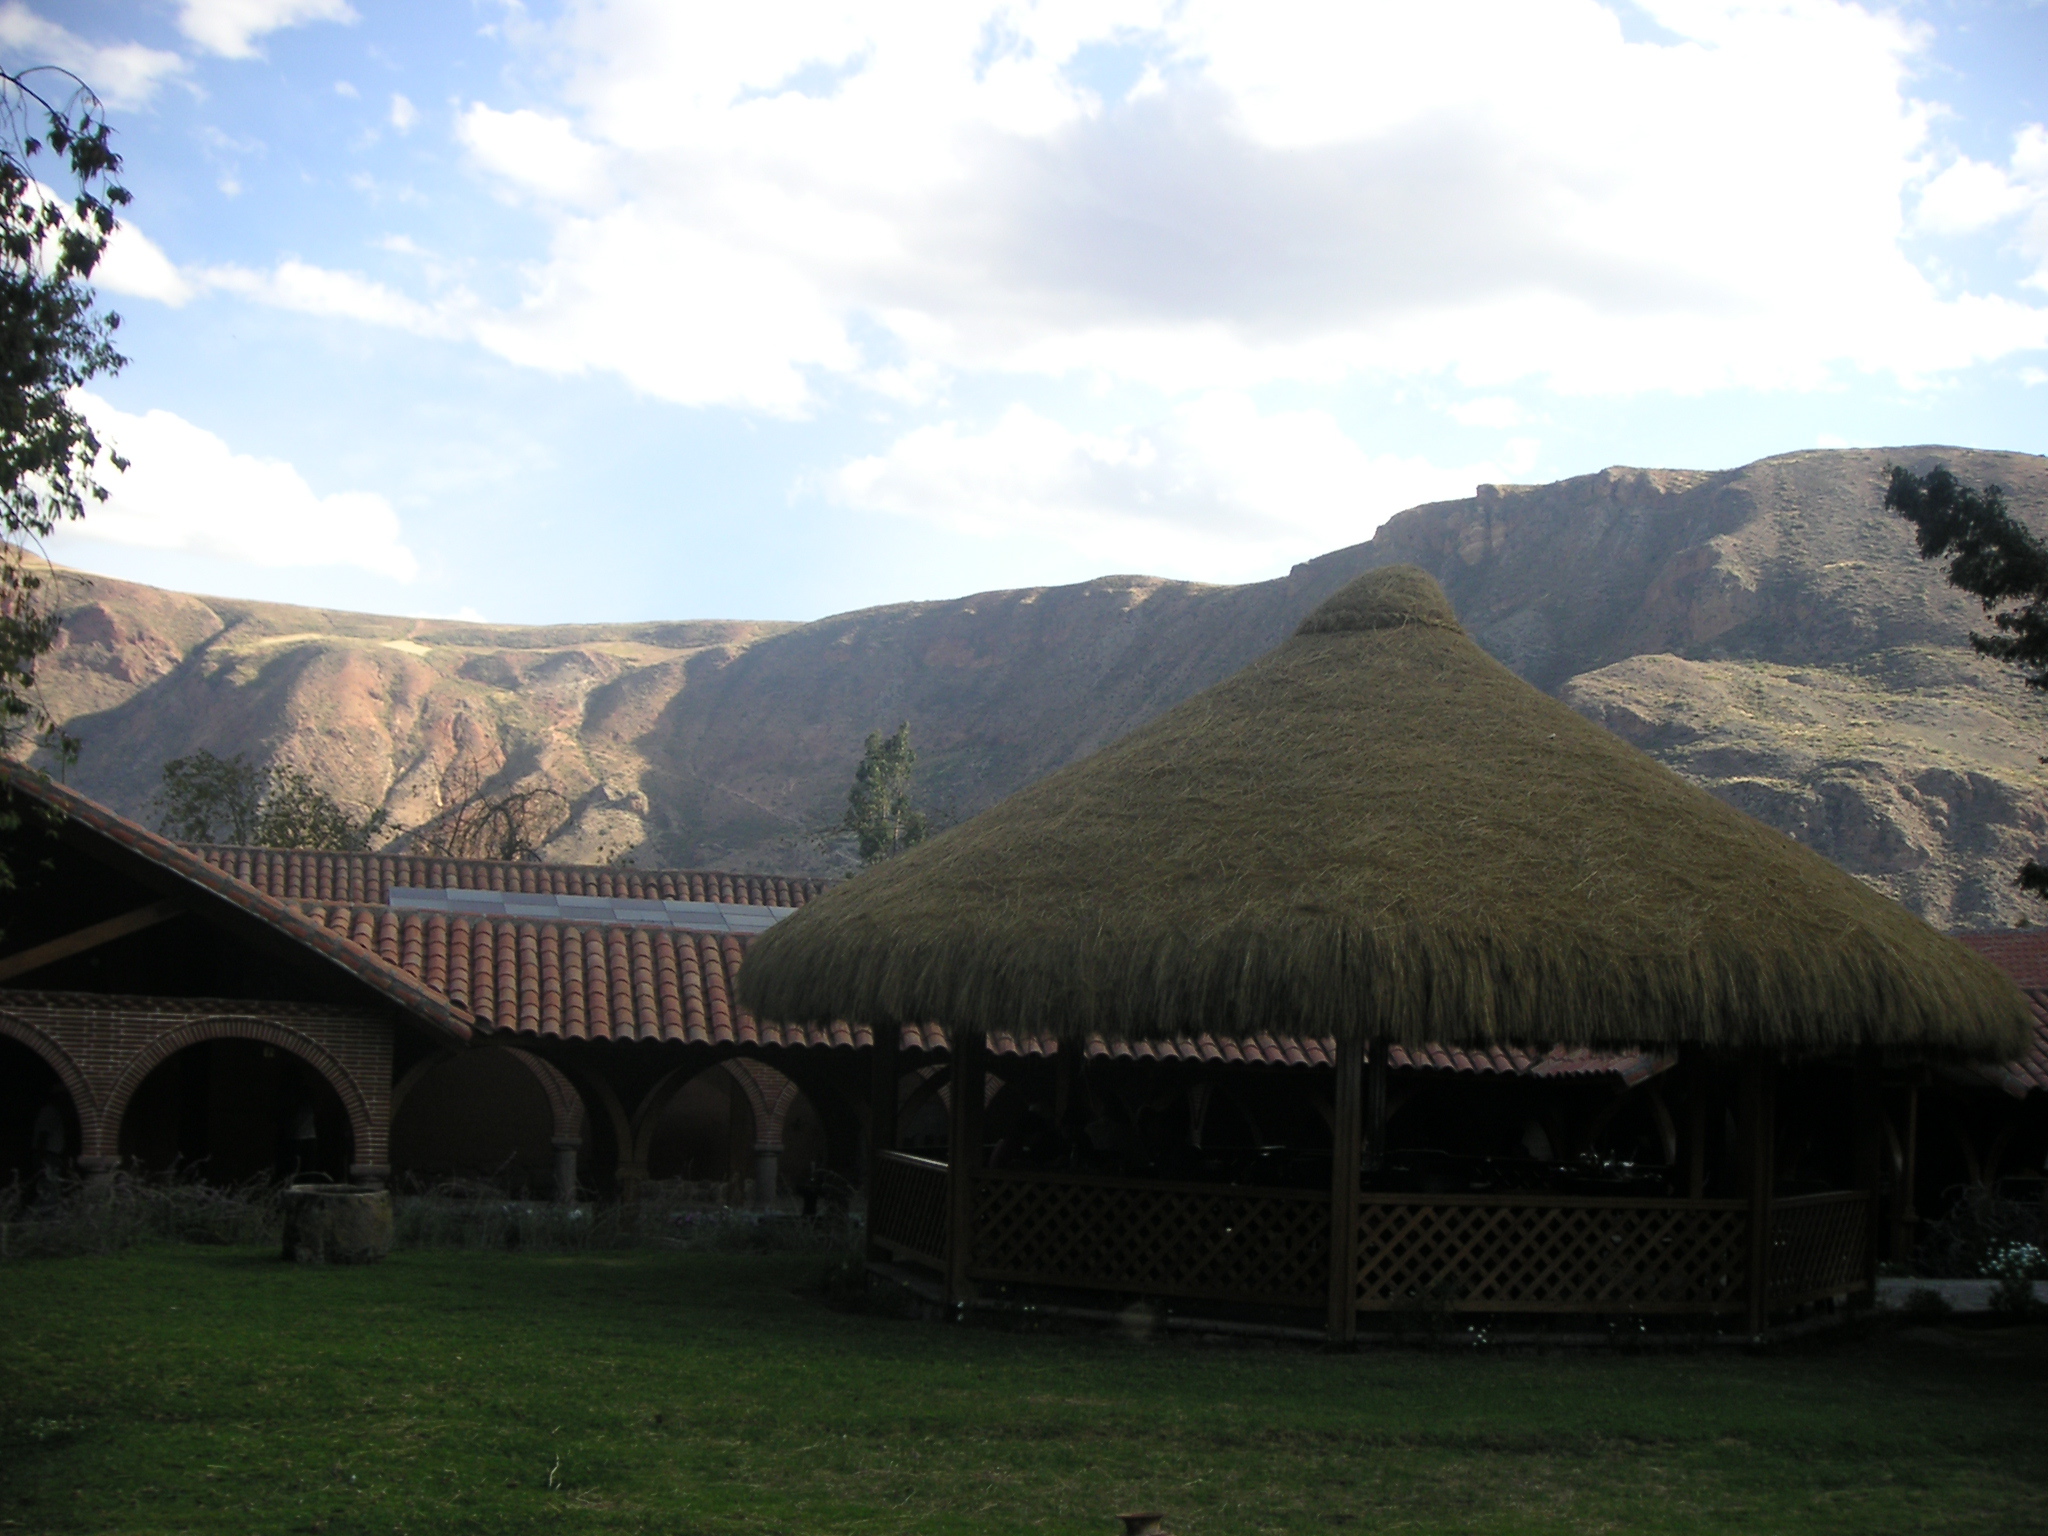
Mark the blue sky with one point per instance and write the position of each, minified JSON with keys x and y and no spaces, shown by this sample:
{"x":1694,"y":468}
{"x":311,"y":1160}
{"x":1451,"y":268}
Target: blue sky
{"x":648,"y":309}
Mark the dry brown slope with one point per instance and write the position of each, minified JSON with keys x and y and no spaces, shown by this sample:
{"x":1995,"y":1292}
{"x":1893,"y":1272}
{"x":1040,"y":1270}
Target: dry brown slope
{"x":1763,"y":629}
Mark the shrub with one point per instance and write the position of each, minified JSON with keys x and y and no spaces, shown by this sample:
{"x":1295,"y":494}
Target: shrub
{"x":1975,"y":1226}
{"x":106,"y":1215}
{"x":2015,"y":1266}
{"x":1924,"y":1304}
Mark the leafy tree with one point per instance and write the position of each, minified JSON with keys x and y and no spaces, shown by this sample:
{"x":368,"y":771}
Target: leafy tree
{"x":879,"y":813}
{"x":506,"y":824}
{"x":1995,"y":558}
{"x":52,"y":341}
{"x":208,"y":799}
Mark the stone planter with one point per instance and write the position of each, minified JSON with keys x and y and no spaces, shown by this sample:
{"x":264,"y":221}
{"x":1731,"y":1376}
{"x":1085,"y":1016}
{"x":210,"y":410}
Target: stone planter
{"x":336,"y":1224}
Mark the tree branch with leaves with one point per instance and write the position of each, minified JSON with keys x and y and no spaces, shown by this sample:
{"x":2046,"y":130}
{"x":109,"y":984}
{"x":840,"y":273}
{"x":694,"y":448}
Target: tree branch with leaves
{"x":208,"y":799}
{"x":1995,"y":558}
{"x":53,"y":341}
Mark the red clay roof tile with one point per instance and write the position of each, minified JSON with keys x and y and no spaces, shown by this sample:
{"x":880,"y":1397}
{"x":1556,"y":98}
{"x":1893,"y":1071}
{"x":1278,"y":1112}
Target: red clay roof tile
{"x":2022,"y":953}
{"x":368,"y":878}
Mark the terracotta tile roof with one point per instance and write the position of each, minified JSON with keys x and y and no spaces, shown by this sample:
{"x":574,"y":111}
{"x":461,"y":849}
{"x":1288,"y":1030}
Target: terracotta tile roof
{"x":616,"y":981}
{"x":609,"y":981}
{"x":369,"y":878}
{"x":2022,"y":953}
{"x":166,"y":865}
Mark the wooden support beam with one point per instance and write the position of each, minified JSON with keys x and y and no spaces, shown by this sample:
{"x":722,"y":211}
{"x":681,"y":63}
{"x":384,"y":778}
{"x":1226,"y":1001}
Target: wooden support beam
{"x":884,"y":1065}
{"x":963,"y":1162}
{"x":1905,"y":1213}
{"x":1346,"y":1134}
{"x":1867,"y":1111}
{"x":1759,"y":1084}
{"x":1377,"y":1114}
{"x":84,"y":939}
{"x":1696,"y":1127}
{"x":1066,"y":1083}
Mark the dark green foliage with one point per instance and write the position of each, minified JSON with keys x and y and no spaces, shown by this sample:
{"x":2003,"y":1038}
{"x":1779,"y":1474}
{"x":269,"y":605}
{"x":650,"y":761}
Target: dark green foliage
{"x":1992,"y":555}
{"x":879,"y":812}
{"x":1995,"y":558}
{"x":52,"y":341}
{"x":207,"y":799}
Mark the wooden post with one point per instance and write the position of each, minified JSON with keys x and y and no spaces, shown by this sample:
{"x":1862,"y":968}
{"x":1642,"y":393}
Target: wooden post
{"x":1905,"y":1215}
{"x":1346,"y":1127}
{"x":1759,"y":1082}
{"x":1066,"y":1085}
{"x":963,"y":1163}
{"x":883,"y":1068}
{"x":1376,"y":1106}
{"x":1696,"y":1129}
{"x":1868,"y":1111}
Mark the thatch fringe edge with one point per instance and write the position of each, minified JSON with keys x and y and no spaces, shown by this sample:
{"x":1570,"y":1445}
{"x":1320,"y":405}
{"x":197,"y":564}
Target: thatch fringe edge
{"x":1412,"y":986}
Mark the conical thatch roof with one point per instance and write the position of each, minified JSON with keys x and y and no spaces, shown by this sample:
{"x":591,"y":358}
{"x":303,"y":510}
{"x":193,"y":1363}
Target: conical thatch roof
{"x":1378,"y":830}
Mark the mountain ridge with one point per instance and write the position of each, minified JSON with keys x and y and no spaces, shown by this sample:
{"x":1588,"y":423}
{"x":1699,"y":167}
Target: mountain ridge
{"x":1765,"y":630}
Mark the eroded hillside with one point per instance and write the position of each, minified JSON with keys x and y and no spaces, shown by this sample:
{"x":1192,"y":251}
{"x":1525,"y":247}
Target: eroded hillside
{"x":1763,"y":630}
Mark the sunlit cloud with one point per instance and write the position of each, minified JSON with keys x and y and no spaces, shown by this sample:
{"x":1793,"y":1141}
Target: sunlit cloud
{"x":186,"y":489}
{"x":1523,"y":194}
{"x":231,"y":28}
{"x":1214,"y":482}
{"x":123,"y":74}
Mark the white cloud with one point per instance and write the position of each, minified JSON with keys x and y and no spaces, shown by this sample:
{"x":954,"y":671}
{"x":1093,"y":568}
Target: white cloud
{"x":1488,"y":411}
{"x":537,"y":154}
{"x":713,"y":325}
{"x":311,"y":290}
{"x":185,"y":489}
{"x":403,"y":113}
{"x":1216,"y":490}
{"x":345,"y":90}
{"x":133,"y":264}
{"x":230,"y":27}
{"x":1968,"y":196}
{"x":124,"y":74}
{"x":1505,"y":189}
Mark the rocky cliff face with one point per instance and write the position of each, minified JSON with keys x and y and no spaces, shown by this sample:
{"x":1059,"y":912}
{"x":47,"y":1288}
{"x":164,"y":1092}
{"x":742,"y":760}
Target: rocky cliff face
{"x":1765,"y":631}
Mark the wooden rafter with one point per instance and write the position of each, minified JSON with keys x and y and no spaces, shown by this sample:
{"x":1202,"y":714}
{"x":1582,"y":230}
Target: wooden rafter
{"x":89,"y":938}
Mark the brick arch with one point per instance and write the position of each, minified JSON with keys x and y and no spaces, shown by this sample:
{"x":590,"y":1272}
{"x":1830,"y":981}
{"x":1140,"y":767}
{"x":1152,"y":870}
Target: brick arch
{"x":647,"y":1115}
{"x":564,"y":1102}
{"x":362,"y":1129}
{"x":83,"y":1104}
{"x":770,"y":1094}
{"x":402,"y":1089}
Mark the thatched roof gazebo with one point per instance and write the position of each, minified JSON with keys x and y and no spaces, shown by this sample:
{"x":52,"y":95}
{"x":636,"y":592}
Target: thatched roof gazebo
{"x":1377,"y":832}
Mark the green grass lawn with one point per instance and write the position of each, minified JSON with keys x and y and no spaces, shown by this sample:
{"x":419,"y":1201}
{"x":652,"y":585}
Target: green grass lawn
{"x":219,"y":1390}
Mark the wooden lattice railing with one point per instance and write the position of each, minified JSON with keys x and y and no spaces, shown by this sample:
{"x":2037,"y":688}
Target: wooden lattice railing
{"x":1550,"y":1253}
{"x":1469,"y":1253}
{"x":907,"y":1208}
{"x":1820,"y":1246}
{"x":1207,"y":1241}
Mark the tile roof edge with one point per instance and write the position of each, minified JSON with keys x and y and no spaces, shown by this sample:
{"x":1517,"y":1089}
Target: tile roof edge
{"x":651,"y":872}
{"x":397,"y":986}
